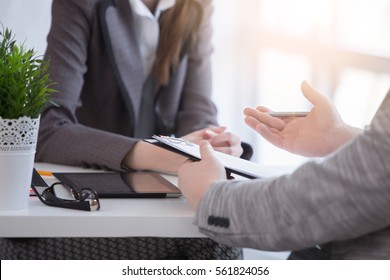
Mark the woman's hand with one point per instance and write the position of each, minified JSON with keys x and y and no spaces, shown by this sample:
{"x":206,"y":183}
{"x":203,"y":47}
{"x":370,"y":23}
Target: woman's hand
{"x":195,"y":178}
{"x":319,"y":133}
{"x":220,"y":139}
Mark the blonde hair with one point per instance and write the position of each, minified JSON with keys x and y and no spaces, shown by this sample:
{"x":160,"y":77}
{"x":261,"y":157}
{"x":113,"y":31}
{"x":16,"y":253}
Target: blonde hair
{"x":178,"y":28}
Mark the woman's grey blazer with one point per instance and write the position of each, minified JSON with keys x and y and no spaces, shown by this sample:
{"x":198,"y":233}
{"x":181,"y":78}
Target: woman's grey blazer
{"x":342,"y":200}
{"x":96,"y":65}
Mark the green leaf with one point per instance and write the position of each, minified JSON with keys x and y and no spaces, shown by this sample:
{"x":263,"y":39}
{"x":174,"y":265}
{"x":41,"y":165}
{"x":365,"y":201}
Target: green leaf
{"x":25,"y":85}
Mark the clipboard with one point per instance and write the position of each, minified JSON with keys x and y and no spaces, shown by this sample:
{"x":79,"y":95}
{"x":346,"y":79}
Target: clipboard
{"x":236,"y":165}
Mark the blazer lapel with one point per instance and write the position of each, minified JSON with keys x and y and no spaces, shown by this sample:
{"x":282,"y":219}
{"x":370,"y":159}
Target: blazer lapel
{"x":119,"y":35}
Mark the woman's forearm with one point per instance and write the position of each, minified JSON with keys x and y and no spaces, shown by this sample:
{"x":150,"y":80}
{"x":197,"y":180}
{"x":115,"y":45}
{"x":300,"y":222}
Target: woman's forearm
{"x":145,"y":156}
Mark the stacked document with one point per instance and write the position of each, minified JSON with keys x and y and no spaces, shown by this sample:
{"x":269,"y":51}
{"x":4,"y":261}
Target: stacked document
{"x":232,"y":164}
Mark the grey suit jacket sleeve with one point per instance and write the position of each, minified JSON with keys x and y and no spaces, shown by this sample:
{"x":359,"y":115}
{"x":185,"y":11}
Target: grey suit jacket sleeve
{"x":343,"y":196}
{"x":62,"y":138}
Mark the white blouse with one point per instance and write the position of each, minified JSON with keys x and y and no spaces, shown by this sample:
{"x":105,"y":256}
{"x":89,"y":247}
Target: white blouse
{"x":148,"y":35}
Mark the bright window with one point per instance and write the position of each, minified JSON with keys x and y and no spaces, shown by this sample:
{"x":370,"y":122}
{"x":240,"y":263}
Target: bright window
{"x":265,"y":48}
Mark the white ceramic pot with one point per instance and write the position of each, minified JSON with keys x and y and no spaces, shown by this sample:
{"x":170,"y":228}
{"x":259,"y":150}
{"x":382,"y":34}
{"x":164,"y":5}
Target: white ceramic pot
{"x":18,"y":139}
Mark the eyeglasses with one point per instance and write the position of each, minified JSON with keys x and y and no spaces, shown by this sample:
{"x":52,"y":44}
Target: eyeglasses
{"x":85,"y":199}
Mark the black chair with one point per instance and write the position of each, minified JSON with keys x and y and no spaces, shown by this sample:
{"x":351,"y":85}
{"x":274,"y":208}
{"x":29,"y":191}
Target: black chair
{"x":248,"y":151}
{"x":132,"y":248}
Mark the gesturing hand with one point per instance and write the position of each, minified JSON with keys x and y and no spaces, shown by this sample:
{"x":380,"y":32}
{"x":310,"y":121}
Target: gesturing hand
{"x":322,"y":131}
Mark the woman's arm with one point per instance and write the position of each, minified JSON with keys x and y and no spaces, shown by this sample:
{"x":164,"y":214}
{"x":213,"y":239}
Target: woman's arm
{"x":62,"y":138}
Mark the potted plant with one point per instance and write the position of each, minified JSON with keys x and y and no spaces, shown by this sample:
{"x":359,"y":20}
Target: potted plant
{"x":24,"y":93}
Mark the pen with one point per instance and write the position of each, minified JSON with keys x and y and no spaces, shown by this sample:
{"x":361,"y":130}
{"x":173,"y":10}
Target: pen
{"x":288,"y":114}
{"x":44,"y":173}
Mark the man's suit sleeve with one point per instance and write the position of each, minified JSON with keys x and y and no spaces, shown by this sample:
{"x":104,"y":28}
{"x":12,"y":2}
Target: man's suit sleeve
{"x":343,"y":196}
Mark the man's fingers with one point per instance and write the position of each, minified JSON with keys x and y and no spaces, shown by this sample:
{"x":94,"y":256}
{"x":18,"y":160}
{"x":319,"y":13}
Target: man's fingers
{"x":263,"y":109}
{"x":311,"y":94}
{"x":206,"y":150}
{"x":271,"y":135}
{"x":251,"y":121}
{"x":265,"y":118}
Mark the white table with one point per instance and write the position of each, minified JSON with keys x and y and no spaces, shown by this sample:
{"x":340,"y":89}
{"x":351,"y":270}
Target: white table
{"x":155,"y":217}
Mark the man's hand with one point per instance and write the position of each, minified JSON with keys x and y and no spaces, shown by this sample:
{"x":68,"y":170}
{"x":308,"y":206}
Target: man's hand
{"x":195,"y":178}
{"x":319,"y":133}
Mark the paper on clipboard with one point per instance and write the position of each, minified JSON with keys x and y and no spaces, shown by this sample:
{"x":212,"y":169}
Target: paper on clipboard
{"x":233,"y":164}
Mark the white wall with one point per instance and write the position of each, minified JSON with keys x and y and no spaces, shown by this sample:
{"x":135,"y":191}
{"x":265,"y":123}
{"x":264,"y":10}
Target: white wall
{"x":29,"y":21}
